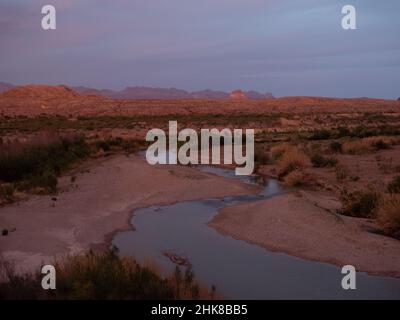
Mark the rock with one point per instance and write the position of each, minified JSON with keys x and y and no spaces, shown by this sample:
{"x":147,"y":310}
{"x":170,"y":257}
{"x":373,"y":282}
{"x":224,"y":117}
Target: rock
{"x":176,"y":259}
{"x":237,"y":94}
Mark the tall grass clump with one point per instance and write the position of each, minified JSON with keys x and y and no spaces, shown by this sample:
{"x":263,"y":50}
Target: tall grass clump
{"x":389,"y":216}
{"x":292,"y":159}
{"x":6,"y":193}
{"x":394,"y":186}
{"x":369,"y":144}
{"x":296,"y":178}
{"x":360,"y":204}
{"x":103,"y":276}
{"x":279,"y":150}
{"x":335,"y":147}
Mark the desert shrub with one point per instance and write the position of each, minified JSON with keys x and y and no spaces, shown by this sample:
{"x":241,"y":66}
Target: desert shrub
{"x":360,"y":204}
{"x":363,"y":132}
{"x":343,"y":132}
{"x":102,"y":276}
{"x":368,"y":144}
{"x":355,"y":147}
{"x":319,"y":161}
{"x":278,"y":151}
{"x":104,"y":145}
{"x":389,"y":130}
{"x":292,"y":159}
{"x":131,"y":145}
{"x":380,"y":145}
{"x":261,"y":157}
{"x":118,"y":144}
{"x":34,"y":159}
{"x":389,"y":216}
{"x":341,"y":172}
{"x":394,"y":186}
{"x":110,"y":142}
{"x":37,"y":165}
{"x":295,"y":179}
{"x":6,"y":193}
{"x":335,"y":146}
{"x":47,"y":181}
{"x":321,"y":134}
{"x":316,"y":146}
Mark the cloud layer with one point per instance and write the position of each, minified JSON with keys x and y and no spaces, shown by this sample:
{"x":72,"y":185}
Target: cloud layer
{"x":268,"y":45}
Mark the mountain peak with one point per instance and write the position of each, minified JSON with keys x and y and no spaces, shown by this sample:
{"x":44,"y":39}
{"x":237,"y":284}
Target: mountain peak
{"x":41,"y":92}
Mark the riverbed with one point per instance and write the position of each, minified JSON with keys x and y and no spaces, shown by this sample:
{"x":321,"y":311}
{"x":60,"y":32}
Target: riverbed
{"x":239,"y":270}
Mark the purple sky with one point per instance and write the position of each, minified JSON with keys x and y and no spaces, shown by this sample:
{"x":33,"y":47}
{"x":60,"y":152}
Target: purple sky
{"x":283,"y":46}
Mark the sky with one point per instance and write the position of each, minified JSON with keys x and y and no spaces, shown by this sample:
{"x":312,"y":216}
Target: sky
{"x":285,"y":47}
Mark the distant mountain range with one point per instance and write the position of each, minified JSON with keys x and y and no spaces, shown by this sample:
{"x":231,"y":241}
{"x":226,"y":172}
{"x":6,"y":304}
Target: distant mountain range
{"x":161,"y":93}
{"x":170,"y":93}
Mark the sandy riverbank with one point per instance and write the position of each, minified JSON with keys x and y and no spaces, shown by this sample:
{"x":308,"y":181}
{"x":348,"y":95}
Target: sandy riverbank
{"x":98,"y":203}
{"x":301,"y":226}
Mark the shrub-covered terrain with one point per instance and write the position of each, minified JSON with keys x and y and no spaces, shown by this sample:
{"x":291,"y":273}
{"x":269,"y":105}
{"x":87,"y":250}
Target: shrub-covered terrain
{"x":103,"y":276}
{"x":38,"y":165}
{"x":35,"y":165}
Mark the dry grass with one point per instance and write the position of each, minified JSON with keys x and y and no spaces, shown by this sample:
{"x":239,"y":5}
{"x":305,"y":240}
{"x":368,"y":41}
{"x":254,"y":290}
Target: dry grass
{"x":369,"y":144}
{"x":295,"y":179}
{"x":279,"y":150}
{"x":292,"y":159}
{"x":104,"y":276}
{"x":342,"y":172}
{"x":389,"y":215}
{"x":29,"y":100}
{"x":6,"y":193}
{"x":361,"y":203}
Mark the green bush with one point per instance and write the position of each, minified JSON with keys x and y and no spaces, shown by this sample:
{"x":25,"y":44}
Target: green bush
{"x":46,"y":180}
{"x":394,"y":186}
{"x":39,"y":165}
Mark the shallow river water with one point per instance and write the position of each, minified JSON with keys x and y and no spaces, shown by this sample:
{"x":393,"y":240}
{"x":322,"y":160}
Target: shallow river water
{"x":239,"y":270}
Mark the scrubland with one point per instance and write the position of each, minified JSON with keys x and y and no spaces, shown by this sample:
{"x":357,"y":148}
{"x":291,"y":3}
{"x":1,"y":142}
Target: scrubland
{"x":347,"y":150}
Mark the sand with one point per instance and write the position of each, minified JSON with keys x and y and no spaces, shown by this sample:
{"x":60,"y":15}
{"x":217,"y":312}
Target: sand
{"x":306,"y":226}
{"x":97,"y":204}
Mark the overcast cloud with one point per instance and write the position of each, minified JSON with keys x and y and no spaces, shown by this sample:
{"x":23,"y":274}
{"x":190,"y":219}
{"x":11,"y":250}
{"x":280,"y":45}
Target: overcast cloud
{"x":268,"y":45}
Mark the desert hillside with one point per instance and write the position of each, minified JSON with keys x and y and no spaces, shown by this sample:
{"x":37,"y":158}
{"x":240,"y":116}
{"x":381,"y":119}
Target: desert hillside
{"x":35,"y":100}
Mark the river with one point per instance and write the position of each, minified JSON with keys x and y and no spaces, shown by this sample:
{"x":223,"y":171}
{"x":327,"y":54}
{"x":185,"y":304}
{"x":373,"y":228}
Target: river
{"x":239,"y":270}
